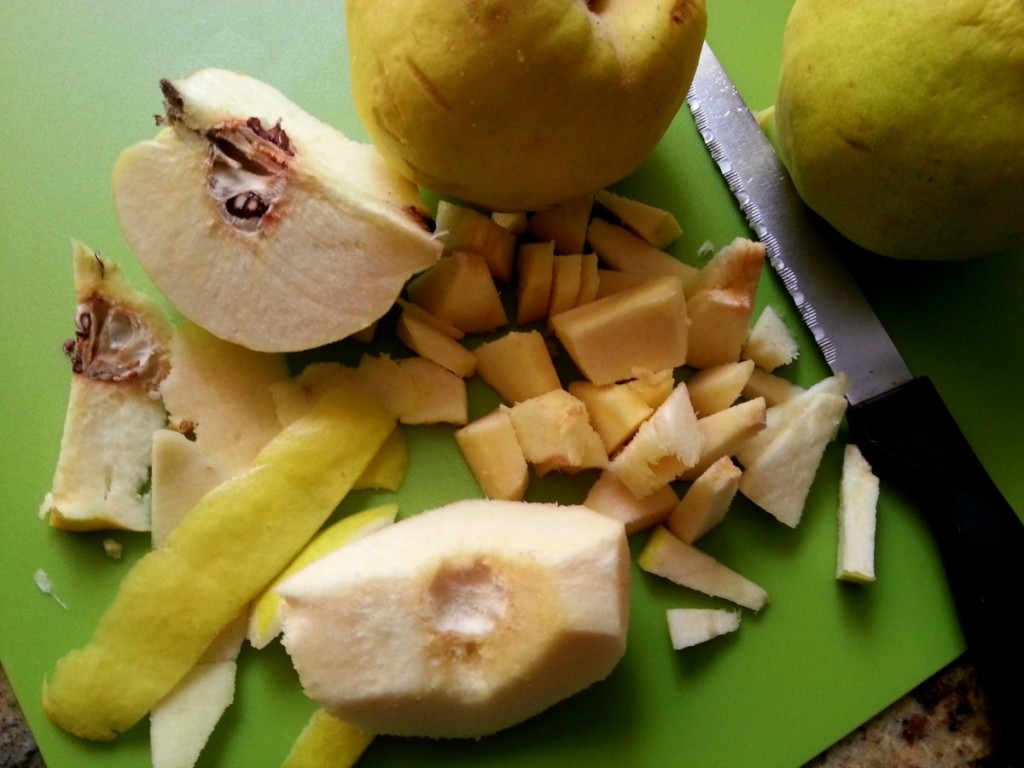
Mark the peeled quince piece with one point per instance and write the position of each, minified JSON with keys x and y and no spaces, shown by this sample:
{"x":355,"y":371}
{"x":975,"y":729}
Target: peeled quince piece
{"x":517,"y":106}
{"x":262,"y":224}
{"x":495,"y":610}
{"x":119,"y":355}
{"x":901,"y":122}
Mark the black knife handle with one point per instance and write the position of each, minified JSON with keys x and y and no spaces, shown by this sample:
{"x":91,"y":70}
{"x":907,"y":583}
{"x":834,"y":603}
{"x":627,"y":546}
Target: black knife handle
{"x":910,"y":439}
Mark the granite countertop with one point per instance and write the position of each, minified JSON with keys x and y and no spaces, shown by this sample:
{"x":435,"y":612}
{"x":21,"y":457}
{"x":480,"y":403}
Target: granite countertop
{"x":943,"y":723}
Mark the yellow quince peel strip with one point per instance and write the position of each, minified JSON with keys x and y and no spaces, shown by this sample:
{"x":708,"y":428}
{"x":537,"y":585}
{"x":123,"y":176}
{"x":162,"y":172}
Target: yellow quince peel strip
{"x":239,"y":537}
{"x":327,"y":742}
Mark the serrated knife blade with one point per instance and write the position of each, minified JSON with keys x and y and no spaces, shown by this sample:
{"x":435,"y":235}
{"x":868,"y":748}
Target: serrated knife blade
{"x":899,"y":421}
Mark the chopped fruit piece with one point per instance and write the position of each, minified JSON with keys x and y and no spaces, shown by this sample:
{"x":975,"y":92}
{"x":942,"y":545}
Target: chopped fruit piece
{"x":444,"y":326}
{"x":327,"y":742}
{"x":465,"y":229}
{"x":771,"y":343}
{"x":221,"y":392}
{"x":517,"y":365}
{"x":536,"y":274}
{"x":441,"y":395}
{"x":498,"y":610}
{"x":774,"y":389}
{"x":494,"y":455}
{"x":459,"y":288}
{"x":255,"y":219}
{"x":706,"y":501}
{"x":555,"y":433}
{"x":720,"y":304}
{"x":383,"y":377}
{"x":653,"y":386}
{"x":616,"y":411}
{"x":780,"y":464}
{"x":174,"y":600}
{"x":590,"y":281}
{"x":182,"y":475}
{"x":613,"y":280}
{"x":181,"y":724}
{"x":610,"y":496}
{"x":565,"y":282}
{"x":655,"y":225}
{"x":119,"y":357}
{"x":265,"y":616}
{"x":858,"y":508}
{"x":515,"y":222}
{"x":649,"y":321}
{"x":426,"y":341}
{"x":565,"y":224}
{"x":665,"y":445}
{"x":619,"y":248}
{"x":715,"y":389}
{"x":690,"y":626}
{"x":725,"y":432}
{"x":667,"y":556}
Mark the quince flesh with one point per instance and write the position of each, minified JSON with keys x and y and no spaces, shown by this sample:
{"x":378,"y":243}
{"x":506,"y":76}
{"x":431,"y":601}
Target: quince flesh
{"x":901,"y":122}
{"x":496,"y":611}
{"x":518,"y":106}
{"x":262,"y":224}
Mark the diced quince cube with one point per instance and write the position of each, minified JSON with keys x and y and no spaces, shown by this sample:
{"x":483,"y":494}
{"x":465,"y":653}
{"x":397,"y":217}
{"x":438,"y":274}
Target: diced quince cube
{"x":442,"y":397}
{"x":536,"y":274}
{"x":655,"y":225}
{"x":517,"y":365}
{"x":555,"y":433}
{"x":610,"y":496}
{"x":619,"y":248}
{"x":771,"y":343}
{"x":663,"y":447}
{"x":466,"y":229}
{"x":780,"y":464}
{"x":565,"y":282}
{"x":725,"y":432}
{"x":720,"y":304}
{"x":774,"y":389}
{"x":494,"y":455}
{"x":426,"y":340}
{"x":858,"y":507}
{"x":690,"y":626}
{"x":706,"y":501}
{"x":715,"y":389}
{"x":649,"y":322}
{"x":616,"y":411}
{"x":611,"y":281}
{"x":459,"y":288}
{"x":590,"y":281}
{"x":668,"y":556}
{"x":565,"y":224}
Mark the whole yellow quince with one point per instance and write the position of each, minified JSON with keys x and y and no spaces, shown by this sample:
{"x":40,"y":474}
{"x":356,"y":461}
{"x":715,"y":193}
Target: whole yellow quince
{"x":901,"y":122}
{"x":516,"y":106}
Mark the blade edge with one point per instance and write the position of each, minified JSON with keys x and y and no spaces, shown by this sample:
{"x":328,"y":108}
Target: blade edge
{"x":844,"y":326}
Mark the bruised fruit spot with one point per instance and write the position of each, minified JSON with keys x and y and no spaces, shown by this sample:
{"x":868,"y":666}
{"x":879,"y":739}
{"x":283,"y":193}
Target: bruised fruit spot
{"x":113,"y":343}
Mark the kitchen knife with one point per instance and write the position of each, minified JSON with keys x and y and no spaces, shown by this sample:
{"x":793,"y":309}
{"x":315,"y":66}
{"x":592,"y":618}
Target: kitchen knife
{"x":899,"y":421}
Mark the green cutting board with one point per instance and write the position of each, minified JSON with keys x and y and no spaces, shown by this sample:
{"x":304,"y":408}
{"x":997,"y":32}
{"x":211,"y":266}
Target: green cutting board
{"x":78,"y":82}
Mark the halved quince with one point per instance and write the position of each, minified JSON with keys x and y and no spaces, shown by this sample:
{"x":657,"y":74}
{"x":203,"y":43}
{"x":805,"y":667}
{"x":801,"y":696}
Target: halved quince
{"x":262,"y":224}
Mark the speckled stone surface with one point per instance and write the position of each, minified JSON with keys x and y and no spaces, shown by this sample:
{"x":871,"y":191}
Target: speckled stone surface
{"x":941,"y":724}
